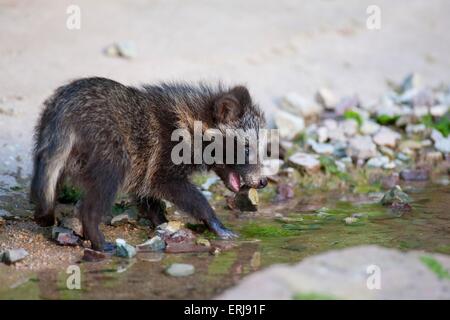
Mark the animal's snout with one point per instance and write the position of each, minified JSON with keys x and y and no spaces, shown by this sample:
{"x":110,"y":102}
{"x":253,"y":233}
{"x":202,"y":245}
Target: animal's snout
{"x":262,"y":183}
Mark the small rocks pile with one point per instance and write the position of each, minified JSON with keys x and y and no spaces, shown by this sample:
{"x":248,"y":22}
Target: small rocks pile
{"x":408,"y":125}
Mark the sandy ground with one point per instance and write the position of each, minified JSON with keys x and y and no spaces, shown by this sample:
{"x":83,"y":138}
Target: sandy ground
{"x":272,"y":46}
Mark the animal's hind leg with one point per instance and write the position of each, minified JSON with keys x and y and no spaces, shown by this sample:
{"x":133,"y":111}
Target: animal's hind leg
{"x":153,"y":209}
{"x":101,"y":186}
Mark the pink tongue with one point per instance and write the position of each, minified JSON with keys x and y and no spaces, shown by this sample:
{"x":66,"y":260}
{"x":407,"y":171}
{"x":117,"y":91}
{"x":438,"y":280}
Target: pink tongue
{"x":235,"y":181}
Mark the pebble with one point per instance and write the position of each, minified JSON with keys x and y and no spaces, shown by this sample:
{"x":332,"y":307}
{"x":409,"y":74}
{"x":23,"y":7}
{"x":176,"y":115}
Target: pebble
{"x":247,"y":199}
{"x":443,"y":145}
{"x":123,"y":218}
{"x":125,"y":49}
{"x":386,"y":137}
{"x":298,"y":105}
{"x":154,"y":244}
{"x":124,"y":250}
{"x":350,"y":220}
{"x":395,"y":195}
{"x":11,"y":256}
{"x":180,"y":270}
{"x":326,"y":98}
{"x":321,"y":148}
{"x":203,"y":242}
{"x":305,"y":162}
{"x":361,"y":147}
{"x":288,"y":125}
{"x":285,"y":192}
{"x":369,"y":127}
{"x":377,"y":162}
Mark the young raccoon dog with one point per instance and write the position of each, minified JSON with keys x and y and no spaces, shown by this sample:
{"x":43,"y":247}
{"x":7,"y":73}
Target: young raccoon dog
{"x":111,"y":138}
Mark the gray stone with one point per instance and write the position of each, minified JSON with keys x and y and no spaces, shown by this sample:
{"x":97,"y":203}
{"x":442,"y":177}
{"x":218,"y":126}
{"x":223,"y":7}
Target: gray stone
{"x":369,"y":127}
{"x":349,"y":274}
{"x":180,"y":270}
{"x":11,"y":256}
{"x":443,"y":145}
{"x":386,"y":137}
{"x":411,"y":81}
{"x":361,"y":147}
{"x":395,"y":195}
{"x":125,"y":49}
{"x":298,"y":105}
{"x":321,"y":148}
{"x":123,"y":218}
{"x":288,"y":124}
{"x":153,"y":244}
{"x":326,"y":98}
{"x":124,"y":250}
{"x":377,"y":162}
{"x":64,"y":236}
{"x":304,"y":162}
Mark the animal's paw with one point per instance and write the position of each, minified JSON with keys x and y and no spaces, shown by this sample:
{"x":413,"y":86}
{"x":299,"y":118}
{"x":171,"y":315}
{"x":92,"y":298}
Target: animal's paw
{"x":222,"y":232}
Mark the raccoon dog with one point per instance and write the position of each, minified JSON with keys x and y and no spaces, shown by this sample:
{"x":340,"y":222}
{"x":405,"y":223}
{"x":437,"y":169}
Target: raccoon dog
{"x":111,"y":138}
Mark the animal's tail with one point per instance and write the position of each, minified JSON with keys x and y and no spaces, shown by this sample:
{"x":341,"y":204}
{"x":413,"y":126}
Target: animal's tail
{"x":52,"y":149}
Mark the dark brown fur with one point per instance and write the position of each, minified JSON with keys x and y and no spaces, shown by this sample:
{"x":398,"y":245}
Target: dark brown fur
{"x":109,"y":138}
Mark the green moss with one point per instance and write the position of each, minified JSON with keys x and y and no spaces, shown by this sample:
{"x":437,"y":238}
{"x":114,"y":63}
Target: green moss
{"x":267,"y":194}
{"x":313,"y":296}
{"x":69,"y":194}
{"x":443,"y":249}
{"x":258,"y":230}
{"x":351,"y":114}
{"x":328,"y":164}
{"x":385,"y":119}
{"x":436,"y":267}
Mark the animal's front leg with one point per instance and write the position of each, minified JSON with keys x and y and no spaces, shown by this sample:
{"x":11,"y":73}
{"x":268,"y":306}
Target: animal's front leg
{"x":190,"y":200}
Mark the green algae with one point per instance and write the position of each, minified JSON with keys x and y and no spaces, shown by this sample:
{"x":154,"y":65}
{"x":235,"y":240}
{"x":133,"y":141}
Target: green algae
{"x":436,"y":267}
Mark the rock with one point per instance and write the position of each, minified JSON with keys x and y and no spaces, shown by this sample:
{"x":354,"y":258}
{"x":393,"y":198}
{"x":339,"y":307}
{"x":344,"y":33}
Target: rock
{"x":247,"y":199}
{"x":125,"y":49}
{"x":378,"y":162}
{"x":2,"y":221}
{"x":90,"y":255}
{"x":168,"y":228}
{"x":321,"y":148}
{"x":288,"y":125}
{"x":411,"y":81}
{"x":64,"y":236}
{"x":350,"y":220}
{"x":415,"y":175}
{"x":203,"y":242}
{"x":182,"y":235}
{"x":123,"y":218}
{"x":369,"y":127}
{"x":124,"y":250}
{"x":326,"y":98}
{"x":415,"y":128}
{"x":443,"y":145}
{"x":387,"y":152}
{"x":349,"y":127}
{"x":180,"y":270}
{"x":285,"y":192}
{"x":305,"y":162}
{"x":434,"y":157}
{"x":7,"y":181}
{"x":322,"y":134}
{"x":11,"y":256}
{"x":153,"y":244}
{"x":349,"y":273}
{"x":386,"y":137}
{"x":361,"y":147}
{"x":74,"y":224}
{"x":395,"y":195}
{"x":6,"y":215}
{"x":438,"y":110}
{"x":407,"y":145}
{"x":298,"y":105}
{"x":347,"y":103}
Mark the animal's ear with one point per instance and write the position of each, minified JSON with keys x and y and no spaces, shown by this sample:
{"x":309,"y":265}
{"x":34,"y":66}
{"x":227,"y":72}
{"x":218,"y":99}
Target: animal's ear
{"x":241,"y":93}
{"x":227,"y":109}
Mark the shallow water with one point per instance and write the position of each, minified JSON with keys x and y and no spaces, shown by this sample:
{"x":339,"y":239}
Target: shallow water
{"x":310,"y":225}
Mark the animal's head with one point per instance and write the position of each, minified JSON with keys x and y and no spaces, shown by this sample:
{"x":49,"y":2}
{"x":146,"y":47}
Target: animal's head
{"x":239,"y":121}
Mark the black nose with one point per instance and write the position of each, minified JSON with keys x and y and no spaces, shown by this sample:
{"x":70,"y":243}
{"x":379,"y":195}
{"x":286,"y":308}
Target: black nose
{"x":262,"y":183}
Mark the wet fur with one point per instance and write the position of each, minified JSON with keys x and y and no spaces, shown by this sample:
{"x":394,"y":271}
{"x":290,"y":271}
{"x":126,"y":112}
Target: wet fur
{"x":108,"y":137}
